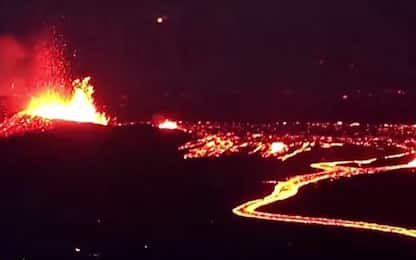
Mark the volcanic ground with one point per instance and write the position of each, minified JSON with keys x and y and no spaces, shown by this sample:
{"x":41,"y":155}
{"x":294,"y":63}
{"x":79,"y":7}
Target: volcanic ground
{"x":87,"y":191}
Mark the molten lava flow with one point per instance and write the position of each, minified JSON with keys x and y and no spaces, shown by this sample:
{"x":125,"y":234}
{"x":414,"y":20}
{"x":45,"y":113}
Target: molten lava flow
{"x":78,"y":107}
{"x":220,"y":139}
{"x":168,"y":124}
{"x":329,"y":170}
{"x":412,"y":163}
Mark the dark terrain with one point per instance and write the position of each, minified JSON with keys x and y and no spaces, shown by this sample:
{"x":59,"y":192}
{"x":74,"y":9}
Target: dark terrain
{"x":126,"y":191}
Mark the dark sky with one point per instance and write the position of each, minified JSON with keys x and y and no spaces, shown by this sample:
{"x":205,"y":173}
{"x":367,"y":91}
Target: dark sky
{"x":230,"y":46}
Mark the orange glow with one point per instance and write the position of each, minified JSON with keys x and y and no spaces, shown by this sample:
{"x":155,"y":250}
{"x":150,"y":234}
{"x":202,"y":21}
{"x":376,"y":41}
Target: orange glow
{"x":79,"y":106}
{"x":277,"y":147}
{"x":412,"y":163}
{"x":210,"y":146}
{"x":330,"y":170}
{"x":168,"y":124}
{"x":220,"y":139}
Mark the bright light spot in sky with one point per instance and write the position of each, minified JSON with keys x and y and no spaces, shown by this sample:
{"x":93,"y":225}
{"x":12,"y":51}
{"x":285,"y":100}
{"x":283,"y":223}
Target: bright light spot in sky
{"x":160,"y":19}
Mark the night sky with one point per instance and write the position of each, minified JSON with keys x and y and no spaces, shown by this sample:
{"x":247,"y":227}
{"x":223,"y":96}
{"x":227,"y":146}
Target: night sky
{"x":221,"y":48}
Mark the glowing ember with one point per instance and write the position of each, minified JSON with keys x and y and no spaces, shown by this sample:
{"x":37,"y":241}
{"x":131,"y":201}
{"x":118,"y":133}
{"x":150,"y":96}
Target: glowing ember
{"x":21,"y":124}
{"x":167,"y":124}
{"x":78,"y":107}
{"x":277,"y":147}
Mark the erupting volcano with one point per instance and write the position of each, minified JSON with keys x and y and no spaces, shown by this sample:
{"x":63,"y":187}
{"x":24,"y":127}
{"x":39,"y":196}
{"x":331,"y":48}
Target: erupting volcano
{"x":55,"y":98}
{"x":280,"y":140}
{"x":78,"y":107}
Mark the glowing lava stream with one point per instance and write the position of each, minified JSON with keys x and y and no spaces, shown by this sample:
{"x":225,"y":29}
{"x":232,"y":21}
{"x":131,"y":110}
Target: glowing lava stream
{"x":289,"y":188}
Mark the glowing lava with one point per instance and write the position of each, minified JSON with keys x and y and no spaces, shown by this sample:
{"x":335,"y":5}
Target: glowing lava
{"x":277,"y":147}
{"x":168,"y":124}
{"x":220,"y":139}
{"x":329,"y":170}
{"x":78,"y":107}
{"x":412,"y":163}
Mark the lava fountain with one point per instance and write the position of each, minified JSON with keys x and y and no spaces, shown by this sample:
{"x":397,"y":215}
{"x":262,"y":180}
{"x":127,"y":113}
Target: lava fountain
{"x":168,"y":124}
{"x":78,"y":107}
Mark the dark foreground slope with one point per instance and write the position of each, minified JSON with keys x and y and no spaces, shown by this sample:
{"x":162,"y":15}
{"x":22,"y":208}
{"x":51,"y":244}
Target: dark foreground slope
{"x":126,"y":193}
